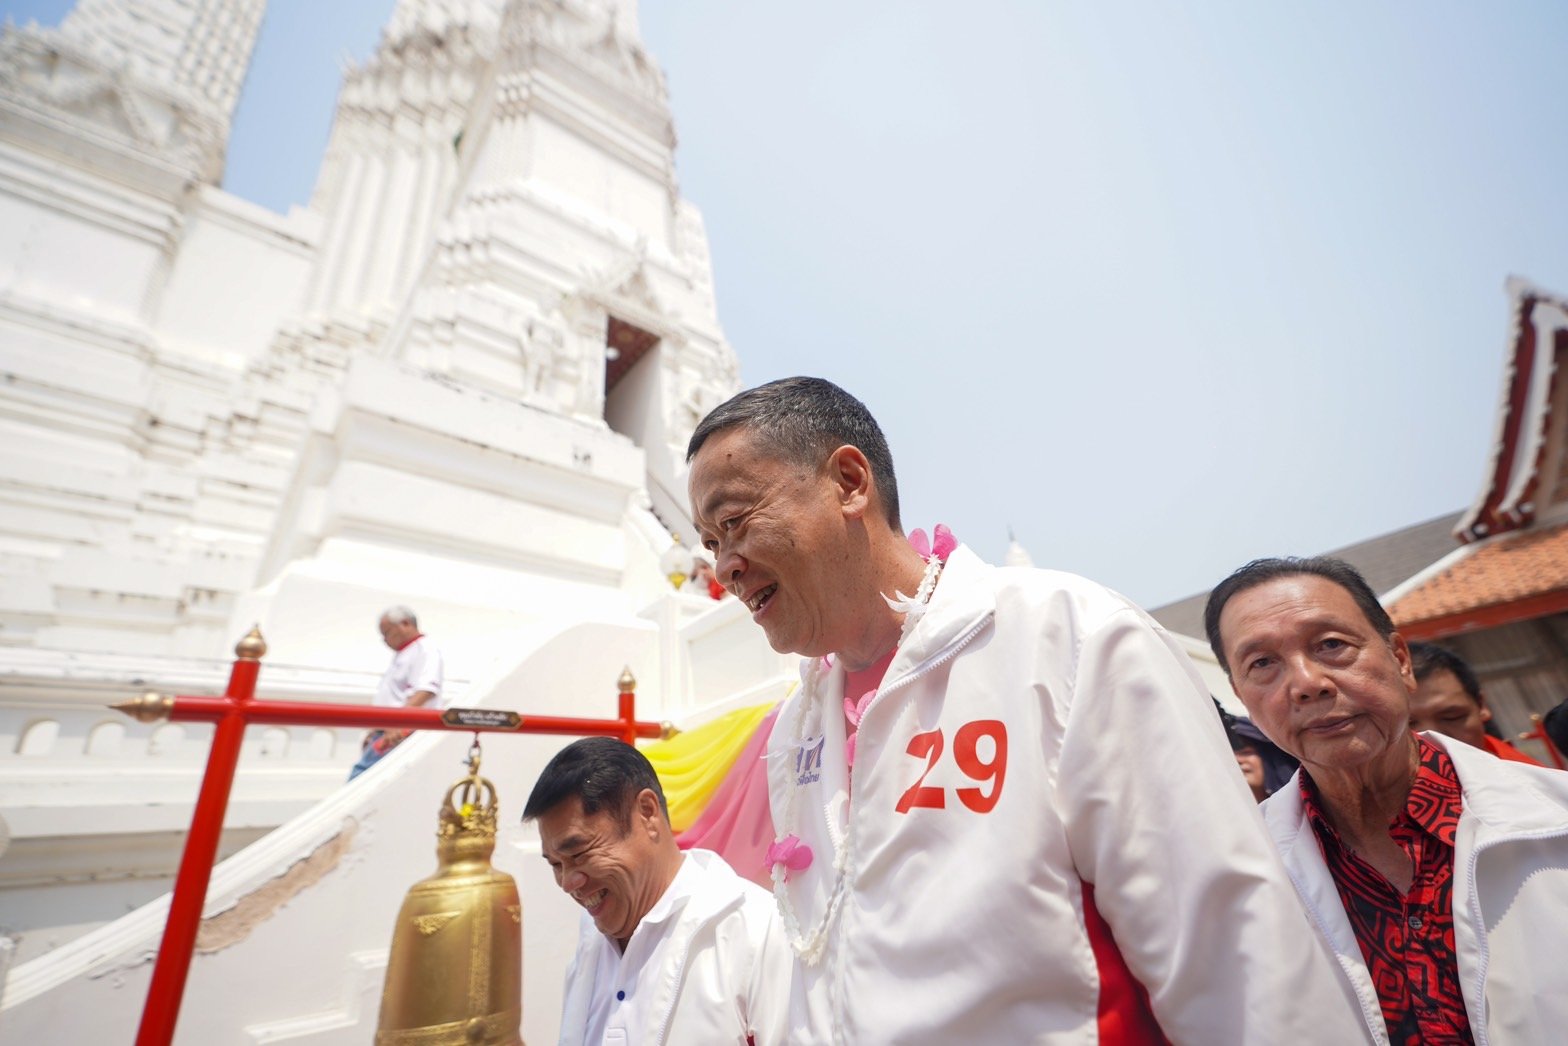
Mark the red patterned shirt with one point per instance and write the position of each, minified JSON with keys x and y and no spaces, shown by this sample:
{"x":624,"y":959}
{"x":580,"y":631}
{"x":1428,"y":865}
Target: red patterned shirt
{"x":1407,"y":941}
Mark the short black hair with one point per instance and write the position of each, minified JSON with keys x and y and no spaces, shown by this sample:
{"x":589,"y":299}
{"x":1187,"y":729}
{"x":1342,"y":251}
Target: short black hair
{"x":1427,"y":658}
{"x":1261,"y":571}
{"x":605,"y":773}
{"x":1555,"y":723}
{"x":803,"y":420}
{"x":1278,"y":764}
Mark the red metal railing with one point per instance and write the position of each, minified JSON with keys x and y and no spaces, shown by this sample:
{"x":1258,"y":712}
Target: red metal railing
{"x":237,"y":709}
{"x":1537,"y":732}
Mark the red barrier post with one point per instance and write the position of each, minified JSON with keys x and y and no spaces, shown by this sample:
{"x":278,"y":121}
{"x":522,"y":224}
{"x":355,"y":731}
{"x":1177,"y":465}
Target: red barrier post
{"x":201,"y":849}
{"x":627,"y":686}
{"x":1537,"y":732}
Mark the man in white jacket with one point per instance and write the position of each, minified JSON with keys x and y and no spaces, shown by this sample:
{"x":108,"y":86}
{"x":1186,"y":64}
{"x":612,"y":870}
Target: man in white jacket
{"x":674,"y":948}
{"x":1437,"y":873}
{"x":1004,"y":809}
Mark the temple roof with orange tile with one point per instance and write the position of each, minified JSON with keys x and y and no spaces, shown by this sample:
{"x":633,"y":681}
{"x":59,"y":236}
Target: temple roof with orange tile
{"x":1513,"y":577}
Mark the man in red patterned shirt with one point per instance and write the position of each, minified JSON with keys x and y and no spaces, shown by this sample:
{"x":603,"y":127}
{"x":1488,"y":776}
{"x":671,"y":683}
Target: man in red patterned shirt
{"x":1438,"y":945}
{"x":1449,"y":699}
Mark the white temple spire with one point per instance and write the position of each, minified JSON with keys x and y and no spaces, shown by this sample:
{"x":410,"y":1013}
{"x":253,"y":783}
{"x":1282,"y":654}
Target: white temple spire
{"x":157,"y":81}
{"x":1017,"y":555}
{"x":200,"y":49}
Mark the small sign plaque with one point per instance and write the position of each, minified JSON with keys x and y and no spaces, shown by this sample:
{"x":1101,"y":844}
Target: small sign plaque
{"x":484,"y":718}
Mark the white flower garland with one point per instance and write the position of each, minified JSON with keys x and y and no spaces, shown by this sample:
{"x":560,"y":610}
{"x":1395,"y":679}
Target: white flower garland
{"x":810,"y":947}
{"x":914,"y":607}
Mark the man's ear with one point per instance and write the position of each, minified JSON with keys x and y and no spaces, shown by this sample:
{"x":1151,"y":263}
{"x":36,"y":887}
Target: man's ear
{"x":850,"y":473}
{"x":650,"y":815}
{"x":1401,"y":651}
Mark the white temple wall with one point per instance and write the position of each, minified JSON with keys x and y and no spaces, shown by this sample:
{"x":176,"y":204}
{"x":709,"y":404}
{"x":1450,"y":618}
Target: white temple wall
{"x":79,"y":398}
{"x":389,"y":417}
{"x":440,"y":516}
{"x":97,"y":804}
{"x":58,"y":913}
{"x":601,"y":180}
{"x":77,"y":249}
{"x":484,"y":515}
{"x":241,"y":271}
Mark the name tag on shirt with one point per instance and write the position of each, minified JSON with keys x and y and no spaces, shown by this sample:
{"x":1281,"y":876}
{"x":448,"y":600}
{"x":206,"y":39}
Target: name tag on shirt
{"x":808,"y":760}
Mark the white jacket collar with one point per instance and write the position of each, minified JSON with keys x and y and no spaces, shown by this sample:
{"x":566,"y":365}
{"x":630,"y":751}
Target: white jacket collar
{"x":1495,"y":792}
{"x":1285,"y":815}
{"x":964,"y":596}
{"x":1506,"y":796}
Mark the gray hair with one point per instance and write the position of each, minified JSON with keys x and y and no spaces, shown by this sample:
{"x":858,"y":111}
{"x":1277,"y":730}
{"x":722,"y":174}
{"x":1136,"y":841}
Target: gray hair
{"x":803,"y":420}
{"x":1262,"y":571}
{"x":400,"y":614}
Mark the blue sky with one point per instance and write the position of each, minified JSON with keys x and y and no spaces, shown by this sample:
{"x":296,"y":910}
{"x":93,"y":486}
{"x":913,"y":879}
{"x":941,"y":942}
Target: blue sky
{"x":1164,"y":287}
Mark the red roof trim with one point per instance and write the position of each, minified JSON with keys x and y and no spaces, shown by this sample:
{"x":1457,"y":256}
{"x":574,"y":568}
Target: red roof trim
{"x":1493,"y":616}
{"x":1483,"y":521}
{"x":1508,"y":501}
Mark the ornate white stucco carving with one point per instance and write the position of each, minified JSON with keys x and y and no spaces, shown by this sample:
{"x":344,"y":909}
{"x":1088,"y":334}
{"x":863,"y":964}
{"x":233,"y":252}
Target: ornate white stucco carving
{"x":159,"y":78}
{"x":198,"y":48}
{"x":192,"y":411}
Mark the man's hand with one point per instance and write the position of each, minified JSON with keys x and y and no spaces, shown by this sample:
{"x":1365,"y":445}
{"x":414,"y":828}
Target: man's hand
{"x":415,"y":700}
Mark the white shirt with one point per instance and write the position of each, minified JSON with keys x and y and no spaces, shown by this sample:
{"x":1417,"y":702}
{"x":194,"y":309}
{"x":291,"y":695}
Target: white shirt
{"x":414,"y":668}
{"x":707,"y":966}
{"x":616,"y":1009}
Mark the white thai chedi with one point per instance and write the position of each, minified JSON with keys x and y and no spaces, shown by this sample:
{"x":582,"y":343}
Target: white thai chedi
{"x":461,"y":378}
{"x":497,"y":204}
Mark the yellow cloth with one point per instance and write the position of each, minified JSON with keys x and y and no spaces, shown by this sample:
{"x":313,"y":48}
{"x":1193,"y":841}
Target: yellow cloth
{"x":692,"y":765}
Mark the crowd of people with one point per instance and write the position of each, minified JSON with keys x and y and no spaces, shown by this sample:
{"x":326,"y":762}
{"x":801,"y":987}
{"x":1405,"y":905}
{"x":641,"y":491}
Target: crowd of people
{"x":1005,"y":812}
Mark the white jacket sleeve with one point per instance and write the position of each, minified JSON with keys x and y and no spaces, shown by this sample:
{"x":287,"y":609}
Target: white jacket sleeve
{"x":1159,"y":820}
{"x":768,"y":1015}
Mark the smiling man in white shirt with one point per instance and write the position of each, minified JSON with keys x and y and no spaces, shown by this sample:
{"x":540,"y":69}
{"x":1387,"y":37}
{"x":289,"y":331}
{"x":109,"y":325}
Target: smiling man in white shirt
{"x":674,"y":947}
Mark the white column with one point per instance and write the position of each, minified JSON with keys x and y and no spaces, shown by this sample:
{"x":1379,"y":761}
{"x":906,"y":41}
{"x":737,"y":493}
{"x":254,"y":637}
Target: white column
{"x":417,"y":234}
{"x":394,"y":222}
{"x":328,"y":269}
{"x":362,"y":235}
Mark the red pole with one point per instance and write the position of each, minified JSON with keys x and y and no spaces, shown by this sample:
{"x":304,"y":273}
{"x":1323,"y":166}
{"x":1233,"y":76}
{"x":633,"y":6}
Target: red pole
{"x":1538,"y":733}
{"x":201,"y":849}
{"x":191,"y":708}
{"x":627,"y":686}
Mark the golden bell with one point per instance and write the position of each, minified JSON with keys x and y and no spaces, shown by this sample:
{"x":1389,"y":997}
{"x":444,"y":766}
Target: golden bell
{"x":455,"y":974}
